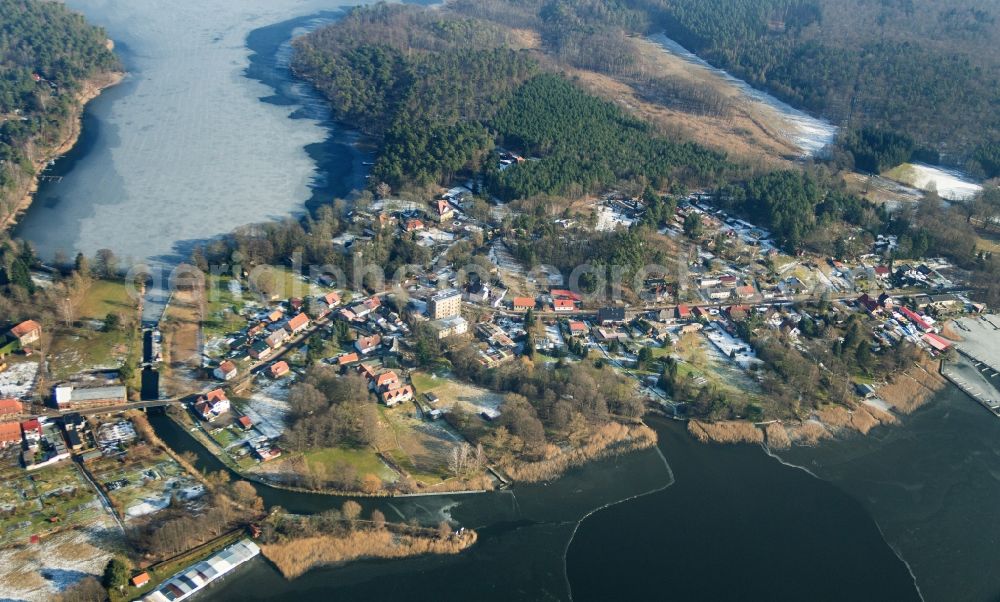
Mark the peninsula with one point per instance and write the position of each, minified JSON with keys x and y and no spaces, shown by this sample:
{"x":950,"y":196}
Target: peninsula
{"x":53,"y":64}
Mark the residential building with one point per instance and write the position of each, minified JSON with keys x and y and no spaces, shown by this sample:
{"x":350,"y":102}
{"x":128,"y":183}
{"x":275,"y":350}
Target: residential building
{"x":279,"y":369}
{"x":563,"y":305}
{"x":738,"y":313}
{"x":260,"y":350}
{"x":718,"y":293}
{"x":297,"y":324}
{"x":944,"y":301}
{"x":27,"y":332}
{"x":245,"y":423}
{"x":10,"y":433}
{"x":332,"y":299}
{"x":366,"y":345}
{"x":32,"y":431}
{"x":276,"y":338}
{"x":212,"y":405}
{"x":683,"y":312}
{"x":523,"y":303}
{"x":386,"y":381}
{"x":225,"y":371}
{"x":453,"y":326}
{"x":478,"y":292}
{"x":10,"y":408}
{"x":558,"y":293}
{"x":395,"y":396}
{"x":445,"y":304}
{"x":611,"y":315}
{"x":444,"y":210}
{"x":577,"y":328}
{"x":347,"y":358}
{"x":494,"y":335}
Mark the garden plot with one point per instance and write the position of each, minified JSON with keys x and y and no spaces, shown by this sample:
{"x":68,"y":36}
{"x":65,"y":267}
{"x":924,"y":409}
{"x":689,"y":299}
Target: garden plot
{"x":142,"y":487}
{"x":40,"y":502}
{"x":422,"y":448}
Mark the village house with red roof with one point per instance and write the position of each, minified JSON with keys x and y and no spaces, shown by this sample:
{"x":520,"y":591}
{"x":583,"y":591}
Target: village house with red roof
{"x":297,"y":324}
{"x":27,"y":332}
{"x":212,"y":405}
{"x":10,"y":408}
{"x":279,"y":369}
{"x":226,"y":370}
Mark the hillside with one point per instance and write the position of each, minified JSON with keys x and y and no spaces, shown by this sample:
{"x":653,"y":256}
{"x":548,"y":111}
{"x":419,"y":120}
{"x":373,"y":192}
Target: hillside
{"x":923,"y":69}
{"x":443,"y":90}
{"x":48,"y":54}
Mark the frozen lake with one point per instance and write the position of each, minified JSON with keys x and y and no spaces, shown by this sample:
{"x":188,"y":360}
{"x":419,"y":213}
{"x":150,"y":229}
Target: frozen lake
{"x":204,"y":135}
{"x":809,"y":134}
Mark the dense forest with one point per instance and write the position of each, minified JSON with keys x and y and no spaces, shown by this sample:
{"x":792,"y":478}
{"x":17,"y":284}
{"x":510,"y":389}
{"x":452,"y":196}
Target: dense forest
{"x":46,"y":51}
{"x":927,"y":69}
{"x":924,"y":69}
{"x":799,"y":208}
{"x":586,"y":144}
{"x":441,"y":90}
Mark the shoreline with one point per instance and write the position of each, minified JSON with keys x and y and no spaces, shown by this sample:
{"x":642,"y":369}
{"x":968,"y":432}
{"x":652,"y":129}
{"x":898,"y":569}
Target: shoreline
{"x":91,"y":88}
{"x":910,"y":390}
{"x":622,"y":440}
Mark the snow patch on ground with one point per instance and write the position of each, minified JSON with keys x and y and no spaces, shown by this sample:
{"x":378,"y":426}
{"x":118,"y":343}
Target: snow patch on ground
{"x":950,"y":184}
{"x":18,"y":380}
{"x":608,"y":219}
{"x":269,"y":409}
{"x":39,"y":572}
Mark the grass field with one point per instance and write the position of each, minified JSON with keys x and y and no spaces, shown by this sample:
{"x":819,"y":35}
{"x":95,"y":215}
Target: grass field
{"x":106,"y":297}
{"x":364,"y":460}
{"x":85,"y":347}
{"x":75,"y":350}
{"x":451,"y":392}
{"x":222,"y":307}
